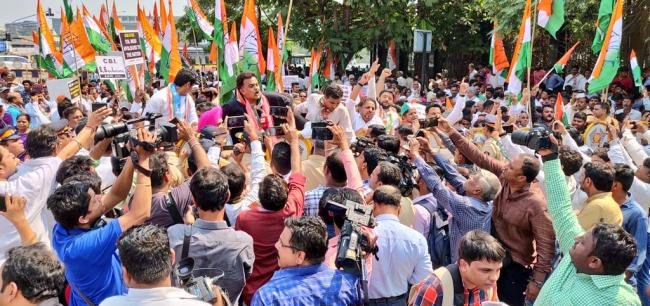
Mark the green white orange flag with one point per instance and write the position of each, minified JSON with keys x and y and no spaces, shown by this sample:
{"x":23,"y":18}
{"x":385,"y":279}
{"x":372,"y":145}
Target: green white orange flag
{"x":230,"y":69}
{"x":135,"y":80}
{"x":199,"y":20}
{"x":115,"y":25}
{"x":498,"y":58}
{"x":314,"y":67}
{"x":52,"y":59}
{"x":185,"y":57}
{"x":77,"y":51}
{"x":148,"y":35}
{"x":220,"y":23}
{"x":522,"y":57}
{"x":214,"y":54}
{"x":392,"y":55}
{"x":95,"y":34}
{"x":550,"y":15}
{"x":170,"y":58}
{"x":636,"y":70}
{"x":561,"y":63}
{"x":329,"y":70}
{"x":272,"y":64}
{"x":281,"y":39}
{"x":559,"y":110}
{"x":250,"y":46}
{"x":608,"y":61}
{"x":163,"y":18}
{"x":602,"y":24}
{"x":68,"y":11}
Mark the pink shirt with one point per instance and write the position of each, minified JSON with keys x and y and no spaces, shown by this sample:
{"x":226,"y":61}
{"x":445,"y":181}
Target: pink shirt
{"x":211,"y":117}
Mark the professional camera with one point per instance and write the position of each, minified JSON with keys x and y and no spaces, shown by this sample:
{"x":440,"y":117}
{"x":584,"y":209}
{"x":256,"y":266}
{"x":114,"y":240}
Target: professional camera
{"x":408,"y":175}
{"x":167,"y":132}
{"x":352,"y":241}
{"x":361,"y":144}
{"x":202,"y":286}
{"x":535,"y":139}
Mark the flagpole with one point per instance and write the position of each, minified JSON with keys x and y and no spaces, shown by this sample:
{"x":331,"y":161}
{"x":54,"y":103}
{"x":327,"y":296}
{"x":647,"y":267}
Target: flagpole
{"x":545,"y":76}
{"x":532,"y":42}
{"x":201,"y":74}
{"x":286,"y":32}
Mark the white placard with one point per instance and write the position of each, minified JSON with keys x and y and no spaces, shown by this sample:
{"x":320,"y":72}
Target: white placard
{"x":347,"y":90}
{"x":288,"y":79}
{"x":111,"y":67}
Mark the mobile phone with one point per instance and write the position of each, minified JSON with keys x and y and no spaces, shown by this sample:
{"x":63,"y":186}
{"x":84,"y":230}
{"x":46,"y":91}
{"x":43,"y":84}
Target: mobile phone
{"x":321,"y":133}
{"x":279,"y":111}
{"x":97,"y":105}
{"x":428,"y":123}
{"x":275,"y":131}
{"x":3,"y":206}
{"x":236,"y":121}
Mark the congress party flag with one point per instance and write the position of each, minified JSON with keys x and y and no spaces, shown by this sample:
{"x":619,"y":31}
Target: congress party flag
{"x":522,"y":57}
{"x":199,"y":20}
{"x":602,"y":24}
{"x":608,"y":61}
{"x":52,"y":60}
{"x":498,"y":58}
{"x":392,"y":55}
{"x":272,"y":64}
{"x":77,"y":51}
{"x":170,"y":57}
{"x":220,"y":23}
{"x":152,"y":44}
{"x":314,"y":67}
{"x":95,"y":34}
{"x":636,"y":70}
{"x":559,"y":110}
{"x":550,"y":15}
{"x":230,"y":69}
{"x":561,"y":63}
{"x":250,"y":46}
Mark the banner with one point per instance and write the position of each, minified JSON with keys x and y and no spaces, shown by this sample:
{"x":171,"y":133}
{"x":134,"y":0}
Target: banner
{"x":74,"y":86}
{"x":111,"y":67}
{"x":131,"y":48}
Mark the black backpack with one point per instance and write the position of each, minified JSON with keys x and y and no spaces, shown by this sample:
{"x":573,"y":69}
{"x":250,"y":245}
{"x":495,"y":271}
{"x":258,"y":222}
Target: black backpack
{"x":438,"y":238}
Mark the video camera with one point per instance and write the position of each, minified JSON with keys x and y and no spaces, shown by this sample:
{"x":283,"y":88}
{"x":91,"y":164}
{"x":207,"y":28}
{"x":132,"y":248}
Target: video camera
{"x":361,"y":144}
{"x":408,"y":181}
{"x":166,"y":133}
{"x":535,"y":139}
{"x":202,"y":286}
{"x":352,"y":241}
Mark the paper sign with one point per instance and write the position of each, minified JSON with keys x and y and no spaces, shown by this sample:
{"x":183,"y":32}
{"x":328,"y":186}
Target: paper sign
{"x":75,"y":90}
{"x":110,"y":67}
{"x":130,"y":41}
{"x":347,"y":89}
{"x":288,"y":79}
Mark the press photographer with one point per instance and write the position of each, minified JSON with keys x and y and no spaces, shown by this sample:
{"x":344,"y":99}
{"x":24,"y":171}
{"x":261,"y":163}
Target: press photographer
{"x":147,"y":261}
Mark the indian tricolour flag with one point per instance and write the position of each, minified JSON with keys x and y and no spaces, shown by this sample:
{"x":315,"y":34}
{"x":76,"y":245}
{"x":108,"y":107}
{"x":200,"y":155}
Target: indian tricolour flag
{"x":220,"y":24}
{"x":314,"y":67}
{"x":230,"y":69}
{"x":392,"y":55}
{"x":272,"y":64}
{"x":559,"y":110}
{"x":95,"y":33}
{"x":250,"y":46}
{"x":550,"y":15}
{"x":498,"y":58}
{"x":148,"y":35}
{"x":170,"y":57}
{"x":636,"y":70}
{"x":609,"y":58}
{"x":522,"y":56}
{"x":51,"y":58}
{"x":199,"y":20}
{"x":602,"y":24}
{"x":284,"y":52}
{"x":329,"y":71}
{"x":561,"y":63}
{"x":78,"y":53}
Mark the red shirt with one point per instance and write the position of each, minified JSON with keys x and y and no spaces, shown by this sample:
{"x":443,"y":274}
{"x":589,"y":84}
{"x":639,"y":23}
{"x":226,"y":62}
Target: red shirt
{"x":265,"y":227}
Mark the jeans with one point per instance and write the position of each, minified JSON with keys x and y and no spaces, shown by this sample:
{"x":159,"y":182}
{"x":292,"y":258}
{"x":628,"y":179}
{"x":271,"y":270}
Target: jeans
{"x":643,"y":280}
{"x":512,"y":284}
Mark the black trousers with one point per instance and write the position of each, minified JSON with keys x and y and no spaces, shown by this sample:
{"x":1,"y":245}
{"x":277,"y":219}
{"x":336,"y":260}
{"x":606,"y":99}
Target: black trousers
{"x":512,"y":284}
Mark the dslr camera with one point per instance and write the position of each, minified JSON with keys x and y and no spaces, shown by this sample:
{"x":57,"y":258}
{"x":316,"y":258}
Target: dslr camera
{"x":352,"y":241}
{"x":535,"y":139}
{"x":167,"y":133}
{"x":361,"y":144}
{"x":408,"y":181}
{"x":202,"y":286}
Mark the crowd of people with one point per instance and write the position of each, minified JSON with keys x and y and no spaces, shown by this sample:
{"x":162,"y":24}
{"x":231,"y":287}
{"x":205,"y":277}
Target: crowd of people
{"x":449,"y":192}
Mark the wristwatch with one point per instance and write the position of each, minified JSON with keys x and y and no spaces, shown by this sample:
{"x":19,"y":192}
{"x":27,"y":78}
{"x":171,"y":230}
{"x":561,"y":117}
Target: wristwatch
{"x":136,"y":164}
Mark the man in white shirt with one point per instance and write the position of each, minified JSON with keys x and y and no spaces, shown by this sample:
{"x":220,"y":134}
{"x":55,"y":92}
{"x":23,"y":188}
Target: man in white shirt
{"x":403,"y":253}
{"x":576,"y":80}
{"x":366,"y":116}
{"x":327,"y":107}
{"x":147,"y":262}
{"x":35,"y":179}
{"x":175,"y":101}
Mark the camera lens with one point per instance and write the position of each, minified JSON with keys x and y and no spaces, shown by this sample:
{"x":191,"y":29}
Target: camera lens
{"x":520,"y":138}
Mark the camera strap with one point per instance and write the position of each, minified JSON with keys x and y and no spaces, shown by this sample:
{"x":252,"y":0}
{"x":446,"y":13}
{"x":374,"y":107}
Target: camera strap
{"x":173,"y":209}
{"x":83,"y":296}
{"x":185,"y":251}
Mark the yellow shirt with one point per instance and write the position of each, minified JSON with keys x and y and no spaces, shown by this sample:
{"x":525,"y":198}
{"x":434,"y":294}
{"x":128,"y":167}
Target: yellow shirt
{"x":312,"y":168}
{"x":600,"y":208}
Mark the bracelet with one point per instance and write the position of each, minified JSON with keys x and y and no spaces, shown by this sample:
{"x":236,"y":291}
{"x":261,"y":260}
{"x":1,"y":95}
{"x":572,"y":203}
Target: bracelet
{"x":143,"y":184}
{"x":78,"y":143}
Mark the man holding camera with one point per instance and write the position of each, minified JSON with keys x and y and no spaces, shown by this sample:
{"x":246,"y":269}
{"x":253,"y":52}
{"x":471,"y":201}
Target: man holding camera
{"x":82,"y":239}
{"x":303,"y":278}
{"x":519,"y":220}
{"x":403,"y":253}
{"x":147,"y":262}
{"x":327,"y":107}
{"x":175,"y":101}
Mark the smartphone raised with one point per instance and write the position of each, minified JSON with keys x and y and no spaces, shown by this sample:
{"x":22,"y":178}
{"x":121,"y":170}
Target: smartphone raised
{"x":275,"y":131}
{"x":97,"y":105}
{"x":236,"y":121}
{"x":279,"y":111}
{"x":321,"y":133}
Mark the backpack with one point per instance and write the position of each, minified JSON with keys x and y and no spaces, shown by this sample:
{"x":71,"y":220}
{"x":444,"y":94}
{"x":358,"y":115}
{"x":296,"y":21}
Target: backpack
{"x":438,"y":238}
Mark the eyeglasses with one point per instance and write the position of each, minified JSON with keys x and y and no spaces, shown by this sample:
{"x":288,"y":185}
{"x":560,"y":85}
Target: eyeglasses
{"x":288,"y":246}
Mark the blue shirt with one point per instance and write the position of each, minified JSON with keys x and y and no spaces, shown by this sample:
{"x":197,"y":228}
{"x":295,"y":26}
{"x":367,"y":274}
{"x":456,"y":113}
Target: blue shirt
{"x":91,"y":261}
{"x":635,"y":222}
{"x":308,"y":285}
